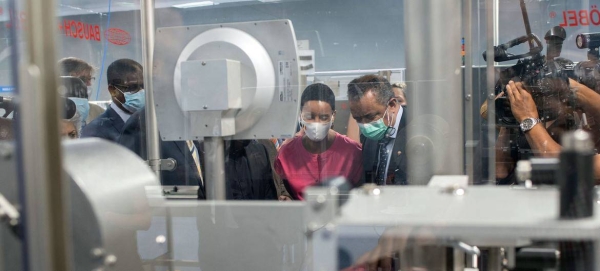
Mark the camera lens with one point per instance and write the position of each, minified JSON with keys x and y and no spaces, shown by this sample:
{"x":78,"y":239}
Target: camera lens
{"x":588,"y":40}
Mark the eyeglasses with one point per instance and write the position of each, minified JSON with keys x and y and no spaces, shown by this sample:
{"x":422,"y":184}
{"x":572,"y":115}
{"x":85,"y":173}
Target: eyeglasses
{"x":130,"y":88}
{"x":310,"y":117}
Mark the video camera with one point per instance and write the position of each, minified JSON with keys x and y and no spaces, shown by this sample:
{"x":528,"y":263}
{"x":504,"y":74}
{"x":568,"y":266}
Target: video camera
{"x":9,"y":104}
{"x":545,"y":77}
{"x":588,"y":72}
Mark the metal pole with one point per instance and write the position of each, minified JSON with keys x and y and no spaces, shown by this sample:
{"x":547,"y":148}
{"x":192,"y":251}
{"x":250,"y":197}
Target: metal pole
{"x":152,"y":136}
{"x":491,"y":78}
{"x":214,"y":159}
{"x":436,"y":93}
{"x":21,"y":255}
{"x":494,"y":262}
{"x":47,"y":192}
{"x":469,"y":135}
{"x":459,"y":260}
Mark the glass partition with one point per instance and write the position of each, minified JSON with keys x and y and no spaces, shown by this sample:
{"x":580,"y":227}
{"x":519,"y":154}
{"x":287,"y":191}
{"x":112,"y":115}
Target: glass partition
{"x":257,"y":108}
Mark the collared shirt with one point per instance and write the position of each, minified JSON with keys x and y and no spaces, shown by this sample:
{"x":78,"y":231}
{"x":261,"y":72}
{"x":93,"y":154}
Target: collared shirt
{"x":390,"y":146}
{"x":124,"y":115}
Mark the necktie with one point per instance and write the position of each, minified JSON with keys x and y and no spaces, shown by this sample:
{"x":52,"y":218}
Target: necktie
{"x":196,"y":157}
{"x":384,"y":155}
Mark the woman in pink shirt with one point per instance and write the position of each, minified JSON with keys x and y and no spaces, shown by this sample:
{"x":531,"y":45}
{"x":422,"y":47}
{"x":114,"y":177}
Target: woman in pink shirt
{"x":320,"y":153}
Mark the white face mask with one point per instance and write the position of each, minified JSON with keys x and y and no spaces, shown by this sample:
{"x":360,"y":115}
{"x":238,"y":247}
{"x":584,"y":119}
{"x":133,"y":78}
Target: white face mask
{"x":316,"y":131}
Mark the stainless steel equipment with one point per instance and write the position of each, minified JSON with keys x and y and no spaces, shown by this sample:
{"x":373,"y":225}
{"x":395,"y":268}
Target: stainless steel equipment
{"x":236,"y":79}
{"x":112,"y":182}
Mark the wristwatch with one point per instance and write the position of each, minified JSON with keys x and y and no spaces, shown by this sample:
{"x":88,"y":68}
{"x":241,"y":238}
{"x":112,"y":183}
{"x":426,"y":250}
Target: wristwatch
{"x":528,"y":123}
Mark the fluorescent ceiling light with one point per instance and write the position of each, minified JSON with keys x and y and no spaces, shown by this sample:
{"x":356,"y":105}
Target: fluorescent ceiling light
{"x":127,"y":4}
{"x":196,"y":4}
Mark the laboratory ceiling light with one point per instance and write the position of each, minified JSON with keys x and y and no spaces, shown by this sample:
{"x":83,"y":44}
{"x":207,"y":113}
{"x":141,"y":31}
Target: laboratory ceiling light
{"x":196,"y":4}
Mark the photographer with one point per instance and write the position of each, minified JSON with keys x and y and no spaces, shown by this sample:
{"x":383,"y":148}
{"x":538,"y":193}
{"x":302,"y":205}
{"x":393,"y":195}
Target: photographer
{"x":524,"y":109}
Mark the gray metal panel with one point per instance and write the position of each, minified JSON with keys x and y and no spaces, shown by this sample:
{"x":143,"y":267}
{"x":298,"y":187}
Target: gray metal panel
{"x":276,"y":37}
{"x":211,"y":85}
{"x":113,"y":179}
{"x":435,"y":142}
{"x":240,"y":235}
{"x":484,"y":215}
{"x":469,"y":121}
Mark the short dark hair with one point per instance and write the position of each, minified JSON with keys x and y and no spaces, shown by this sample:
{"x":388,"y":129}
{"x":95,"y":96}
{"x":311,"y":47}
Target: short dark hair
{"x":377,"y":84}
{"x":318,"y":92}
{"x":120,"y":69}
{"x":72,"y":65}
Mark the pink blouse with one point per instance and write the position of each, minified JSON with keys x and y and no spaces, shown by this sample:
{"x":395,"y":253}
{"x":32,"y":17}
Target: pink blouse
{"x":300,"y":168}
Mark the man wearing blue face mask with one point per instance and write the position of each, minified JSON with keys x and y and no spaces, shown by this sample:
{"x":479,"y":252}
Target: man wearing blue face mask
{"x":126,"y":87}
{"x":382,"y":124}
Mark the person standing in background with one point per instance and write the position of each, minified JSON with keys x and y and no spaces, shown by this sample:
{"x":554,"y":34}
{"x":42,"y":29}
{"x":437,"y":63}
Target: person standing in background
{"x":319,"y":153}
{"x":399,"y":93}
{"x":126,"y":87}
{"x":75,"y":67}
{"x":382,"y":124}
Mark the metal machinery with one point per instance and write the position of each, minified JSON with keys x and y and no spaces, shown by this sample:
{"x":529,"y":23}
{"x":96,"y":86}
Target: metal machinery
{"x":296,"y":236}
{"x":241,"y":81}
{"x":102,"y":206}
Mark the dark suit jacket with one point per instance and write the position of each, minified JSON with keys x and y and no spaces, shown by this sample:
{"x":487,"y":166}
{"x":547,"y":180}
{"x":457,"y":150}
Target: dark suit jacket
{"x":108,"y":126}
{"x":248,"y":171}
{"x":133,"y":137}
{"x":398,"y":159}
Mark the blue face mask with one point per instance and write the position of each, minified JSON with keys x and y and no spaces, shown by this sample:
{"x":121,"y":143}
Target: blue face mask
{"x":83,"y":108}
{"x":133,"y":101}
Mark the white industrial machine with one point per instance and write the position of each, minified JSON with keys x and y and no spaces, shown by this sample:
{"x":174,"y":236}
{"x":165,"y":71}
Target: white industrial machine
{"x":238,"y":80}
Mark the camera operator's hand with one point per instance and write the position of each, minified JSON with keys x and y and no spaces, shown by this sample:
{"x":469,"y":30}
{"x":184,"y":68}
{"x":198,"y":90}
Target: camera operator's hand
{"x":521,"y":102}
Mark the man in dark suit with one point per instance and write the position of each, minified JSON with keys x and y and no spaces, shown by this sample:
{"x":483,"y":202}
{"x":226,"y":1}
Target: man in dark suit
{"x":126,"y":87}
{"x":382,"y":125}
{"x":186,"y":172}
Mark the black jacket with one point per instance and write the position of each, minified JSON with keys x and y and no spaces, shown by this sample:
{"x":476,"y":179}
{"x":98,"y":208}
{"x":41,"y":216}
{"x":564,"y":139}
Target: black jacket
{"x":398,"y":160}
{"x":248,"y":171}
{"x":108,"y":125}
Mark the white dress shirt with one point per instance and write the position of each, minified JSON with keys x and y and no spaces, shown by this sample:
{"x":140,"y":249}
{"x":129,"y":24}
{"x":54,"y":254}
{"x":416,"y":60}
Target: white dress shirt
{"x":124,"y":115}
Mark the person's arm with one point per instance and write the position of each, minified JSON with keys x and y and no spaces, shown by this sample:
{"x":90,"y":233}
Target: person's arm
{"x":587,"y":98}
{"x":522,"y":107}
{"x":590,"y":102}
{"x":597,"y":168}
{"x":279,"y":170}
{"x":541,"y":143}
